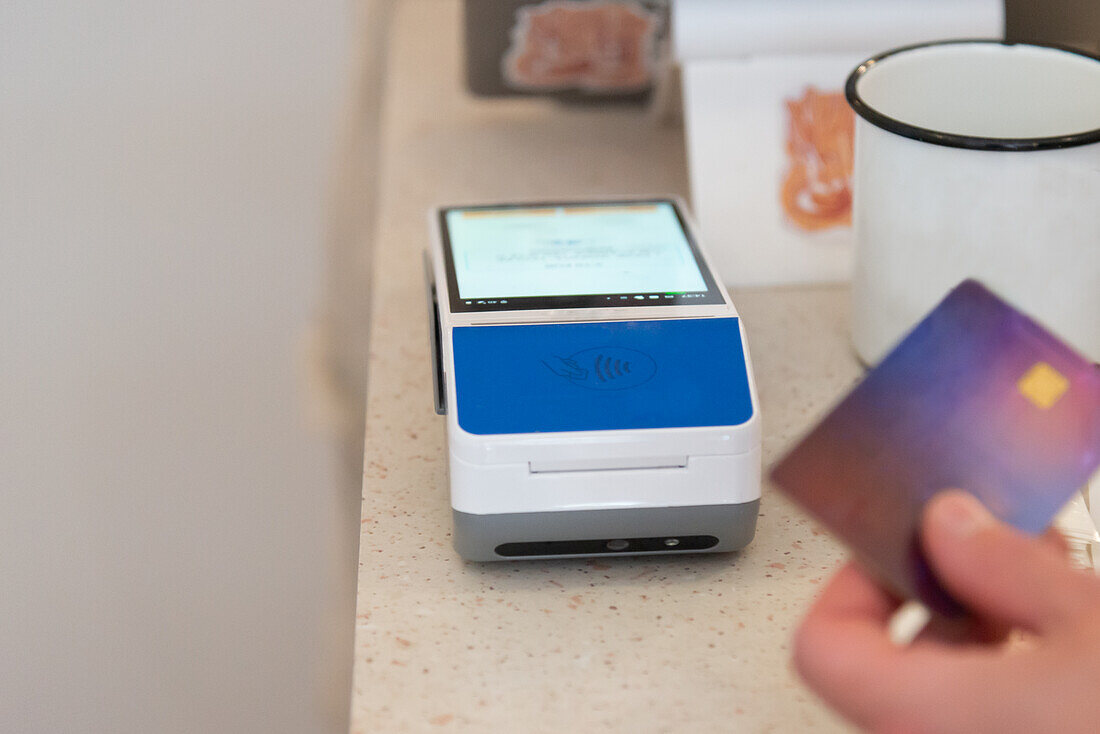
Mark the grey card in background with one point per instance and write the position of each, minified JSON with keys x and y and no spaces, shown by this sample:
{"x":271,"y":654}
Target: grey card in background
{"x":1073,"y":23}
{"x":574,"y":50}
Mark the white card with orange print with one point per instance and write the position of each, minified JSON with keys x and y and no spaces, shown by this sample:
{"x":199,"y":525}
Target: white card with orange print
{"x":769,"y":135}
{"x":770,"y":158}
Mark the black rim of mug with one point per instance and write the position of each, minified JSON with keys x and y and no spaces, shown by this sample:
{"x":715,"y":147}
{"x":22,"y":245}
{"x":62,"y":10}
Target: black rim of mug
{"x":953,"y":140}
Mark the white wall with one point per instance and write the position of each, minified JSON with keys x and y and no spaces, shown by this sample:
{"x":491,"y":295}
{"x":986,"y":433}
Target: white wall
{"x":165,"y":517}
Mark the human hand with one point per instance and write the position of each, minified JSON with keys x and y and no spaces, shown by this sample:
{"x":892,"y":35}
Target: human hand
{"x":964,"y":680}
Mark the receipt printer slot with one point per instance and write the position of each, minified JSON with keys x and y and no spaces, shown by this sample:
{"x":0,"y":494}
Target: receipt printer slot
{"x":574,"y":465}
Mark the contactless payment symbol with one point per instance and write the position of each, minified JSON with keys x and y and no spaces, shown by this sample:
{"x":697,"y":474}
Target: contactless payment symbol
{"x":604,"y":368}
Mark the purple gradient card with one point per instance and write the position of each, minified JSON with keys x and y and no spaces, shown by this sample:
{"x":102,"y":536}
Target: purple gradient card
{"x":978,"y":396}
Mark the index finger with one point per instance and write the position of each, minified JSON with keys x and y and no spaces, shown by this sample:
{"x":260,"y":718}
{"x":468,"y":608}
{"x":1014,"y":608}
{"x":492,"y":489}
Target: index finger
{"x":853,"y":593}
{"x":843,"y":650}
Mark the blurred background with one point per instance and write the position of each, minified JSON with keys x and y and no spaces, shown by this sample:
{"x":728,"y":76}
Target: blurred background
{"x":184,"y":208}
{"x":175,"y":552}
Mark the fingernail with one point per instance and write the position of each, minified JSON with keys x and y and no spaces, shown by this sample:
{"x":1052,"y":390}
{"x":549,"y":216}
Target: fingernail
{"x":960,"y":514}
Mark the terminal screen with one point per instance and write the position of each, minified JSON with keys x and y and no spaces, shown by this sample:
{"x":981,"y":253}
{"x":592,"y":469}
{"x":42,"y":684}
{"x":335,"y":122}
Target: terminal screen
{"x":615,"y":254}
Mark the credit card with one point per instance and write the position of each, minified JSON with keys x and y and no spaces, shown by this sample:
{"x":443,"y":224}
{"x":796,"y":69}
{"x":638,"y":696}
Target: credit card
{"x":977,"y":397}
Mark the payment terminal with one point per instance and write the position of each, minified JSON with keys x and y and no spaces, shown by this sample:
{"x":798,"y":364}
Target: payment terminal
{"x":595,"y":380}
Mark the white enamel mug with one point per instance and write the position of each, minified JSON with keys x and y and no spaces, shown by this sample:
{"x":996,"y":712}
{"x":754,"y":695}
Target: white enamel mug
{"x":976,"y":159}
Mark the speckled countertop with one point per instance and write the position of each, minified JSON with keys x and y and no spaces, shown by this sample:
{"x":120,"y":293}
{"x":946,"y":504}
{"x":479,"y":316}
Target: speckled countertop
{"x":647,"y":644}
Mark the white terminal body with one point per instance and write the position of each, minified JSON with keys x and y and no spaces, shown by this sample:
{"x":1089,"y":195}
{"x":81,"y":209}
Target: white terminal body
{"x":596,"y":382}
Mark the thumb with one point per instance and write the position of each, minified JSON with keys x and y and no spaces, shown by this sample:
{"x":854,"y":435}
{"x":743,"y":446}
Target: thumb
{"x":996,"y":571}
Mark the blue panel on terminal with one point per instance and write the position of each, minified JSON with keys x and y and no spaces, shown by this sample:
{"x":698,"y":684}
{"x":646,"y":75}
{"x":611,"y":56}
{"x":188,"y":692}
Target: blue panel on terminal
{"x":539,"y":378}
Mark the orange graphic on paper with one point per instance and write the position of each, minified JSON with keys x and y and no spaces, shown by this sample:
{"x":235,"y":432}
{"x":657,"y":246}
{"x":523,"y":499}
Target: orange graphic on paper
{"x":817,"y":191}
{"x":599,"y":46}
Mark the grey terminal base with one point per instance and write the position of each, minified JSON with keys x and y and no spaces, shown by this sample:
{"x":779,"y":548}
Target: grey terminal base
{"x":477,"y":537}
